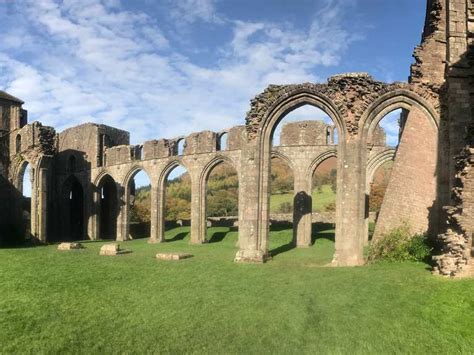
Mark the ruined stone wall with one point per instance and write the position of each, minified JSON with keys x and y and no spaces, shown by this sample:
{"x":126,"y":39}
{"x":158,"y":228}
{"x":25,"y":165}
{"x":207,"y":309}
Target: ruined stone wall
{"x":201,"y":142}
{"x":430,"y":55}
{"x":456,"y":257}
{"x":236,"y":138}
{"x":411,"y":192}
{"x":305,"y":133}
{"x":157,"y":149}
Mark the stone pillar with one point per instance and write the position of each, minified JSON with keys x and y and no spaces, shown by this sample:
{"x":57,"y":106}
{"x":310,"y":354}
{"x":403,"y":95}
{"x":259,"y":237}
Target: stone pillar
{"x":198,"y":216}
{"x":350,"y":205}
{"x":34,"y":204}
{"x":122,"y":213}
{"x":302,"y":204}
{"x":253,"y":246}
{"x":42,"y":205}
{"x":160,"y":212}
{"x":155,"y":222}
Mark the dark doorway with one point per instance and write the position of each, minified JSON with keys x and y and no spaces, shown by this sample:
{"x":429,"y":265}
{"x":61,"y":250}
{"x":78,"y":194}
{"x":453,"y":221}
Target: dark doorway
{"x":108,"y":208}
{"x":73,"y":210}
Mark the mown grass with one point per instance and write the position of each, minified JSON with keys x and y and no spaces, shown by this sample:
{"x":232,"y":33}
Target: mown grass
{"x":80,"y":302}
{"x":319,"y":199}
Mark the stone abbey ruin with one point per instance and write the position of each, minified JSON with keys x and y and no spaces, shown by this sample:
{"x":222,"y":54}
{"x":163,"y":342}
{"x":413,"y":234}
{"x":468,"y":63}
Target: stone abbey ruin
{"x":81,"y":177}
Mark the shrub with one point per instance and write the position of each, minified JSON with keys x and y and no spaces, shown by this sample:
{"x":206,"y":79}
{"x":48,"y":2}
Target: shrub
{"x":285,"y":207}
{"x":400,"y":245}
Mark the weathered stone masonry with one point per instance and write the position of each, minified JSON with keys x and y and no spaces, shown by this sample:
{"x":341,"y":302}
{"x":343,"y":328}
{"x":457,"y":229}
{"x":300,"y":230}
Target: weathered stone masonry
{"x":430,"y":186}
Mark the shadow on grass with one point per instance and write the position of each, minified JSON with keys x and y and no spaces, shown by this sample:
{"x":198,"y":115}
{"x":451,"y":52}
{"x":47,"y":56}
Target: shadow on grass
{"x":323,"y":231}
{"x":217,"y":237}
{"x":282,"y":249}
{"x":279,"y":227}
{"x":179,"y":236}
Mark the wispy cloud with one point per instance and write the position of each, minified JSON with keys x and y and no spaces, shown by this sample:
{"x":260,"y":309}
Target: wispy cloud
{"x":190,"y":11}
{"x":96,"y":61}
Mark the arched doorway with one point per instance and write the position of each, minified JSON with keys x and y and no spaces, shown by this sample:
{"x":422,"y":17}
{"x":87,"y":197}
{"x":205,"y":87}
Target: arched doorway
{"x":175,"y":203}
{"x":72,"y":210}
{"x":139,"y":203}
{"x":299,"y":137}
{"x":25,"y":187}
{"x":282,"y":201}
{"x":406,"y":201}
{"x":323,"y":207}
{"x":221,"y":201}
{"x":108,"y":208}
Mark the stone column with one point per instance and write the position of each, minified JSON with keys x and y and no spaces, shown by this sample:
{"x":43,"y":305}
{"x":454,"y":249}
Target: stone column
{"x":350,"y":208}
{"x":302,"y":204}
{"x":198,"y":226}
{"x":42,"y":205}
{"x":122,"y":213}
{"x":33,"y":202}
{"x":253,"y":247}
{"x":155,"y":222}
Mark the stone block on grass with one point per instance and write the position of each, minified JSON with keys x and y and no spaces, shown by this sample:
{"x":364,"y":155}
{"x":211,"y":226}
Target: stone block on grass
{"x":110,"y":249}
{"x":70,"y":246}
{"x":173,"y":256}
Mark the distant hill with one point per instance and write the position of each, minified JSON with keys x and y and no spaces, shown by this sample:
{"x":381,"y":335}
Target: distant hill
{"x":223,"y":190}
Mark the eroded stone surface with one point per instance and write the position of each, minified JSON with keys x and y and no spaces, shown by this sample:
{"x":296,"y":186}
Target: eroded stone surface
{"x":110,"y":249}
{"x":70,"y":246}
{"x":173,"y":256}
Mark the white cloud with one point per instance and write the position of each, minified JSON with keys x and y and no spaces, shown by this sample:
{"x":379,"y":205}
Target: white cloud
{"x":190,"y":11}
{"x":102,"y":63}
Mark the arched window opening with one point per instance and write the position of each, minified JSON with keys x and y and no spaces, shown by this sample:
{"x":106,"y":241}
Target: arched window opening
{"x":108,"y":208}
{"x":72,"y":210}
{"x":335,"y":136}
{"x":281,"y":205}
{"x":26,"y":188}
{"x":329,"y":136}
{"x":222,"y":203}
{"x":222,"y":142}
{"x":180,"y":146}
{"x":18,"y":143}
{"x":139,"y":189}
{"x":388,"y":131}
{"x":177,"y":203}
{"x":323,"y":192}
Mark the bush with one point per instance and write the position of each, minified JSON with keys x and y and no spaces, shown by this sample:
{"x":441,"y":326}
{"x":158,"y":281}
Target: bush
{"x":400,"y":245}
{"x":285,"y":207}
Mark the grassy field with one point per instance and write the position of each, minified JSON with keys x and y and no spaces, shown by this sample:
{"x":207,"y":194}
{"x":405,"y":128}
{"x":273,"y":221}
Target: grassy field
{"x":80,"y":302}
{"x":319,"y":200}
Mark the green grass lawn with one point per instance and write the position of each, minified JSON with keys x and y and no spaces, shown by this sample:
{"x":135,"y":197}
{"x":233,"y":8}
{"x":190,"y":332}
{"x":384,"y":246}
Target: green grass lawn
{"x":80,"y":302}
{"x":319,"y":200}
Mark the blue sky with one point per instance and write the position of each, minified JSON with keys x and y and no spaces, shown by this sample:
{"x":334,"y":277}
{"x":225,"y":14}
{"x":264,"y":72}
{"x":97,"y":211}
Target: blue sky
{"x":161,"y":69}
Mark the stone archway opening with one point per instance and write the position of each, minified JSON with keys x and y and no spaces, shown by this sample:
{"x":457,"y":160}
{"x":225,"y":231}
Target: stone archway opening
{"x":177,"y":204}
{"x":313,"y":131}
{"x":323,"y":207}
{"x":282,"y":188}
{"x":222,"y":202}
{"x":108,"y":209}
{"x":222,"y":142}
{"x":383,"y":144}
{"x":25,"y":179}
{"x":139,"y":199}
{"x":72,"y":210}
{"x":406,"y":201}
